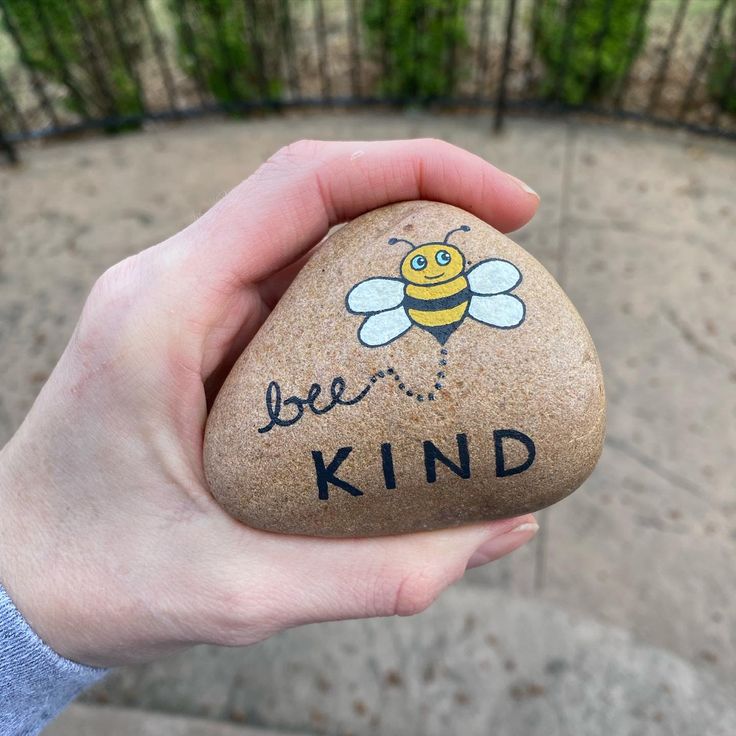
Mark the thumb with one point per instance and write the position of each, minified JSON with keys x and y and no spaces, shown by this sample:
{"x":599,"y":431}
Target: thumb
{"x":331,"y":579}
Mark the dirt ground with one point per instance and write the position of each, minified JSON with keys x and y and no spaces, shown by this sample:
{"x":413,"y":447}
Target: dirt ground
{"x":638,"y":226}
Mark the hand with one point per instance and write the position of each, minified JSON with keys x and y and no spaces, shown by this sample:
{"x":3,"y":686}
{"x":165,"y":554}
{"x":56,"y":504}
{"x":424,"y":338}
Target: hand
{"x":110,"y":543}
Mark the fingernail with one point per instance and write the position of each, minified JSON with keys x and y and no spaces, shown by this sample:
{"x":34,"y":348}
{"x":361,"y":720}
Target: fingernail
{"x":527,"y":526}
{"x":524,"y":186}
{"x":497,"y":547}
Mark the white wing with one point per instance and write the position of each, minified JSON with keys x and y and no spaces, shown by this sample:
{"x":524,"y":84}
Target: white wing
{"x":382,"y":328}
{"x":494,"y":276}
{"x":375,"y":295}
{"x":499,"y":310}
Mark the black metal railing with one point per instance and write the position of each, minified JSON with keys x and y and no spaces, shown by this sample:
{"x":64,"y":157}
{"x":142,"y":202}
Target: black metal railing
{"x":74,"y":65}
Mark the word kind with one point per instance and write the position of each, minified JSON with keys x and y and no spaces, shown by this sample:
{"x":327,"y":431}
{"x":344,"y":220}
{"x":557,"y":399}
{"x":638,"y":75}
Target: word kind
{"x":326,"y":470}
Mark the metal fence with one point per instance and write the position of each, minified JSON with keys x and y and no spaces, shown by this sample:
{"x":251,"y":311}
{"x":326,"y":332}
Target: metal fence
{"x":72,"y":65}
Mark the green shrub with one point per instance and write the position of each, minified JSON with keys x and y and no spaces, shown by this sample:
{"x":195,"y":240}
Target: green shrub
{"x":77,"y":47}
{"x":722,"y":79}
{"x":587,"y":46}
{"x":418,"y":43}
{"x":218,"y":47}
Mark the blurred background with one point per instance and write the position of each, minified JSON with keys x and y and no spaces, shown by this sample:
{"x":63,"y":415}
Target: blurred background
{"x":122,"y":120}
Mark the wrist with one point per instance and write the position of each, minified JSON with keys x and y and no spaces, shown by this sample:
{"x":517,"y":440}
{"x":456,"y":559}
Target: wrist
{"x":65,"y":572}
{"x":36,"y":565}
{"x":27,"y":580}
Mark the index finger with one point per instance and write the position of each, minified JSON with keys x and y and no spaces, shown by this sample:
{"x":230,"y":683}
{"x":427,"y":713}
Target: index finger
{"x":289,"y":204}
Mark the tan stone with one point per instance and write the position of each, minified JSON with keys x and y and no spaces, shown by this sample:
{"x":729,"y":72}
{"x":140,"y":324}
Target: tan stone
{"x":408,"y":456}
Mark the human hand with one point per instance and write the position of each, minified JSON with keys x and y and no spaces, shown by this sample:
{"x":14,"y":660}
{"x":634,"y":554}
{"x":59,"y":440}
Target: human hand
{"x":110,"y":542}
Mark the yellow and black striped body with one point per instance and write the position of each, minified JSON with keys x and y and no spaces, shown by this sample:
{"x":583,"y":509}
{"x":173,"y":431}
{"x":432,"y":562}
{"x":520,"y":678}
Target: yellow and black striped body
{"x":438,"y":308}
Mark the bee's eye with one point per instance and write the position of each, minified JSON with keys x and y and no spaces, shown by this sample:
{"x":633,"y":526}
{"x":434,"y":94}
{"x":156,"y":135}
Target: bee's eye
{"x":418,"y":263}
{"x":443,"y":257}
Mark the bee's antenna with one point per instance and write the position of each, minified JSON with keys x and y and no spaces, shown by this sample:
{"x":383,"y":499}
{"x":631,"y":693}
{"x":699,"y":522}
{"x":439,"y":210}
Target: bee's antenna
{"x":393,"y":241}
{"x":463,"y":228}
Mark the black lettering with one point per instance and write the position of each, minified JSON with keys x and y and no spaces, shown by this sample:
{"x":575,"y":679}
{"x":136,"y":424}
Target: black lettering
{"x":312,"y":395}
{"x":326,"y":475}
{"x":432,"y":454}
{"x":499,"y":435}
{"x":387,"y":461}
{"x":337,"y":389}
{"x":275,"y":405}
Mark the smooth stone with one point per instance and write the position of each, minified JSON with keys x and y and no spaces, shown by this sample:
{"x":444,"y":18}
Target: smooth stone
{"x":486,"y":405}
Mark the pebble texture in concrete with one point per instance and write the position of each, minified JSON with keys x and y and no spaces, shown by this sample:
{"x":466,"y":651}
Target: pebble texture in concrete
{"x":88,"y":720}
{"x":638,"y":227}
{"x":477,"y":662}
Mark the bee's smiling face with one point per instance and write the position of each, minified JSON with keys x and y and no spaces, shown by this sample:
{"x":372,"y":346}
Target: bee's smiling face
{"x":433,"y":263}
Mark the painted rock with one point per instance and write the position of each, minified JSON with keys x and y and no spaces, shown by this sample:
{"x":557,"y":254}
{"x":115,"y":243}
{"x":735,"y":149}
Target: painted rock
{"x":422,"y":371}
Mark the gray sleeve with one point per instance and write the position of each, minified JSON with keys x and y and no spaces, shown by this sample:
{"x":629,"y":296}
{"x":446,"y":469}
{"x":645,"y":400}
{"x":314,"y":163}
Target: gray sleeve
{"x":35,"y":682}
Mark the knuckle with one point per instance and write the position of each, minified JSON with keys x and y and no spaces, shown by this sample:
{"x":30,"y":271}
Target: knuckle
{"x":227,"y":613}
{"x":115,"y":284}
{"x":108,"y":304}
{"x":414,"y":592}
{"x":297,"y":151}
{"x":437,"y":143}
{"x":295,"y":155}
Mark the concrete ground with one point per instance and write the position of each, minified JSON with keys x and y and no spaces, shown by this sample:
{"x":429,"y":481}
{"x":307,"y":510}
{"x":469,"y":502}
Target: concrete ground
{"x":84,"y":720}
{"x":621,"y":617}
{"x":478,"y":662}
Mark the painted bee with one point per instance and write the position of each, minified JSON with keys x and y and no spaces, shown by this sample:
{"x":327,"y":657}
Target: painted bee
{"x":436,"y":293}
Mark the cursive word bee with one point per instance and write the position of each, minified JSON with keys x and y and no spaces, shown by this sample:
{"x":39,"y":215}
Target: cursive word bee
{"x":436,"y":293}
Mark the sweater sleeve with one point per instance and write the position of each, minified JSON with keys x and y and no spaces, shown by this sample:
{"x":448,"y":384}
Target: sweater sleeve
{"x":35,"y":682}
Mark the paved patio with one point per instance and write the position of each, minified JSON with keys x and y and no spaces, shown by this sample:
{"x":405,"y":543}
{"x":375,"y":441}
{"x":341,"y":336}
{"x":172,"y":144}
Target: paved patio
{"x":639,"y":228}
